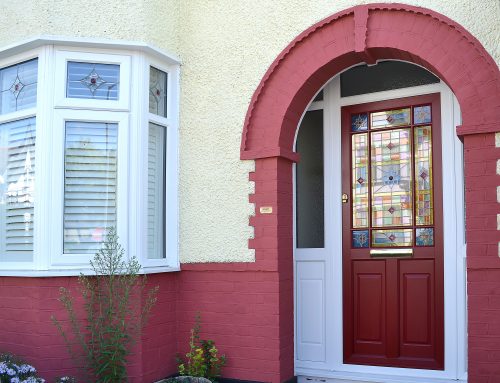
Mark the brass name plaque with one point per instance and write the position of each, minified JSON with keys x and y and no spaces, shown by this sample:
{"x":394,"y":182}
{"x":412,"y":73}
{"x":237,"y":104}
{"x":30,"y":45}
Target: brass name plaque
{"x":266,"y":210}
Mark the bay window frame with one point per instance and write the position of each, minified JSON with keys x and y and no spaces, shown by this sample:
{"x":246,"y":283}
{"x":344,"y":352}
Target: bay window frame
{"x":131,"y":113}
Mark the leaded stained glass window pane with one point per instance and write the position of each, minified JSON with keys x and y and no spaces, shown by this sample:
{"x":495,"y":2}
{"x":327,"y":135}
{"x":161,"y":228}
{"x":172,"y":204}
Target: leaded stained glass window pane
{"x":395,"y":237}
{"x":389,"y":118}
{"x":392,"y":178}
{"x":18,"y":84}
{"x":360,"y":180}
{"x":424,"y":236}
{"x":93,"y":80}
{"x":423,"y":177}
{"x":158,"y":81}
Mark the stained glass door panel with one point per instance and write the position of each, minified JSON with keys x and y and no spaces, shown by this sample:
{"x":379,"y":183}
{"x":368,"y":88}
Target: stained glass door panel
{"x":392,"y":236}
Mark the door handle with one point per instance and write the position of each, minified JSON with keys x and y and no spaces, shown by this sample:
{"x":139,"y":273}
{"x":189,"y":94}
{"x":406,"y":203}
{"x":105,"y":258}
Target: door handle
{"x":345,"y":198}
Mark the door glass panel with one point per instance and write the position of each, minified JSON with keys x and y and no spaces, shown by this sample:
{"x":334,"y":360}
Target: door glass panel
{"x":392,"y":178}
{"x":425,"y":236}
{"x":309,"y":181}
{"x":396,"y":237}
{"x":423,"y":179}
{"x":360,"y":180}
{"x":390,"y":118}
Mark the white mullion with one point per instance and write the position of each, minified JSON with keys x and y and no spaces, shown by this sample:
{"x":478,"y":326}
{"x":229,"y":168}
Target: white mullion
{"x":171,"y":174}
{"x":137,"y":161}
{"x":42,"y":233}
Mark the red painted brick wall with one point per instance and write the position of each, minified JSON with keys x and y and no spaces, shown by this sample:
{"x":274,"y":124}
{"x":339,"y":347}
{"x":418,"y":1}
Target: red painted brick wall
{"x":483,"y":262}
{"x":26,"y":330}
{"x":240,"y":312}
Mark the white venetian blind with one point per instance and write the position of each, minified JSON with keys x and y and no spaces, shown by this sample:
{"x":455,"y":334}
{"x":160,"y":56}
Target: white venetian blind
{"x":90,"y":180}
{"x":17,"y":177}
{"x":156,"y":191}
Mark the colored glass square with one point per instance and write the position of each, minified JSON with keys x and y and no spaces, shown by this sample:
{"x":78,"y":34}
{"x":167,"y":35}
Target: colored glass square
{"x":359,"y":122}
{"x":360,"y":239}
{"x":389,"y":238}
{"x":425,"y":236}
{"x":422,"y":114}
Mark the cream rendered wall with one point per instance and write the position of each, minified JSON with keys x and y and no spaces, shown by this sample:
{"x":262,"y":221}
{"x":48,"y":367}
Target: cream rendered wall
{"x":225,"y":47}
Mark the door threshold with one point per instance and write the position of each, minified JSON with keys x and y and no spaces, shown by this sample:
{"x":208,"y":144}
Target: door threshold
{"x":310,"y":376}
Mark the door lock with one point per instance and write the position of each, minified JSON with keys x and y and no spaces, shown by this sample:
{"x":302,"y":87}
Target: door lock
{"x":345,"y":198}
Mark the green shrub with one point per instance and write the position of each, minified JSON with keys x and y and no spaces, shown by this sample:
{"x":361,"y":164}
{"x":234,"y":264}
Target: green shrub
{"x":114,"y":318}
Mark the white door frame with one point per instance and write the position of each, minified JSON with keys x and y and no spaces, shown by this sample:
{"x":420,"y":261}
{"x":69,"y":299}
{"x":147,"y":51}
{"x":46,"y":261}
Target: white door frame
{"x":324,"y":266}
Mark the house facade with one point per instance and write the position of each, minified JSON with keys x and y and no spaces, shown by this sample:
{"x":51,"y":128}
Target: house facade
{"x":318,"y":179}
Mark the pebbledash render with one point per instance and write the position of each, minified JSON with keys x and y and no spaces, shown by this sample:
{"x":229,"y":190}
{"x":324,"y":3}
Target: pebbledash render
{"x":320,"y":180}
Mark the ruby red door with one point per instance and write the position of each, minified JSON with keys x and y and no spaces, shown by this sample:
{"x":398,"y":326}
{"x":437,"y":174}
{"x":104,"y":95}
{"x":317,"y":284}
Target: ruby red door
{"x":393,"y":234}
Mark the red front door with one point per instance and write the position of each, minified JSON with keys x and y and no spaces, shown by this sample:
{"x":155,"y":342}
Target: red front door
{"x":393,"y":234}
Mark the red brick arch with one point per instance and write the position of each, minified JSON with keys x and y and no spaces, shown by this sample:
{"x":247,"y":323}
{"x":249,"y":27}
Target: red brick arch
{"x":368,"y":33}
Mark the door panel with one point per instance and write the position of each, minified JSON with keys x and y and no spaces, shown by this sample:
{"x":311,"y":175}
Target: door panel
{"x":311,"y":311}
{"x":369,"y":290}
{"x":392,"y":233}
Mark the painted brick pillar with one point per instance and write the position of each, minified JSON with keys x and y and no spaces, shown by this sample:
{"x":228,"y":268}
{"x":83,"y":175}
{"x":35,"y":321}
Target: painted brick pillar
{"x":482,"y":198}
{"x":273,"y":244}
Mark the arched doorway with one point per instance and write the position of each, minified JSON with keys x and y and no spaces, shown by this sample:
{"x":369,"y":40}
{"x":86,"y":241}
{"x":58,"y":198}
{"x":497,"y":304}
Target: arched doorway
{"x":360,"y":34}
{"x":378,"y":301}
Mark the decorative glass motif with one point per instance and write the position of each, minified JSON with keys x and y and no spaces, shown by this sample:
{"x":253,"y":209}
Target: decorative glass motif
{"x":424,"y":236}
{"x":93,"y":80}
{"x":389,"y":118}
{"x":391,"y":178}
{"x":360,"y":239}
{"x":158,"y":81}
{"x":423,"y":176}
{"x":422,"y":114}
{"x":359,"y":122}
{"x":360,"y":180}
{"x":18,"y":84}
{"x":389,"y":238}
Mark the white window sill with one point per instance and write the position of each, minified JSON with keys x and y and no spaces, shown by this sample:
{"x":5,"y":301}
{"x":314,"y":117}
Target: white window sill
{"x":77,"y":271}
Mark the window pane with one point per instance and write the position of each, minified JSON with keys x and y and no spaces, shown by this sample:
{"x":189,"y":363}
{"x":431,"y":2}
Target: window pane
{"x":158,"y":92}
{"x":156,"y":191}
{"x":17,"y":187}
{"x":309,"y":182}
{"x":18,"y":86}
{"x":92,"y":80}
{"x":90,"y":170}
{"x":386,"y":75}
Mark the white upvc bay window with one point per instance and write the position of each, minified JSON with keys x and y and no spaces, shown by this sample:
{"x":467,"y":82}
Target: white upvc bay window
{"x":88,"y":141}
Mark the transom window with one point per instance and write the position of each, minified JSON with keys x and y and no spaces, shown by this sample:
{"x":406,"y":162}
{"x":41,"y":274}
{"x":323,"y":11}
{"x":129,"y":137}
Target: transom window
{"x":80,"y":153}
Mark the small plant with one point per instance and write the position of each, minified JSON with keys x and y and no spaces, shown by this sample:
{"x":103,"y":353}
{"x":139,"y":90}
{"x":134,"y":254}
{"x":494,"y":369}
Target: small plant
{"x":202,"y":359}
{"x":13,"y":370}
{"x":114,"y":318}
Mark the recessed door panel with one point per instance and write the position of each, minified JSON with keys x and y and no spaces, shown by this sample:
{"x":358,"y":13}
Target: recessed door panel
{"x":310,"y":292}
{"x":369,"y":302}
